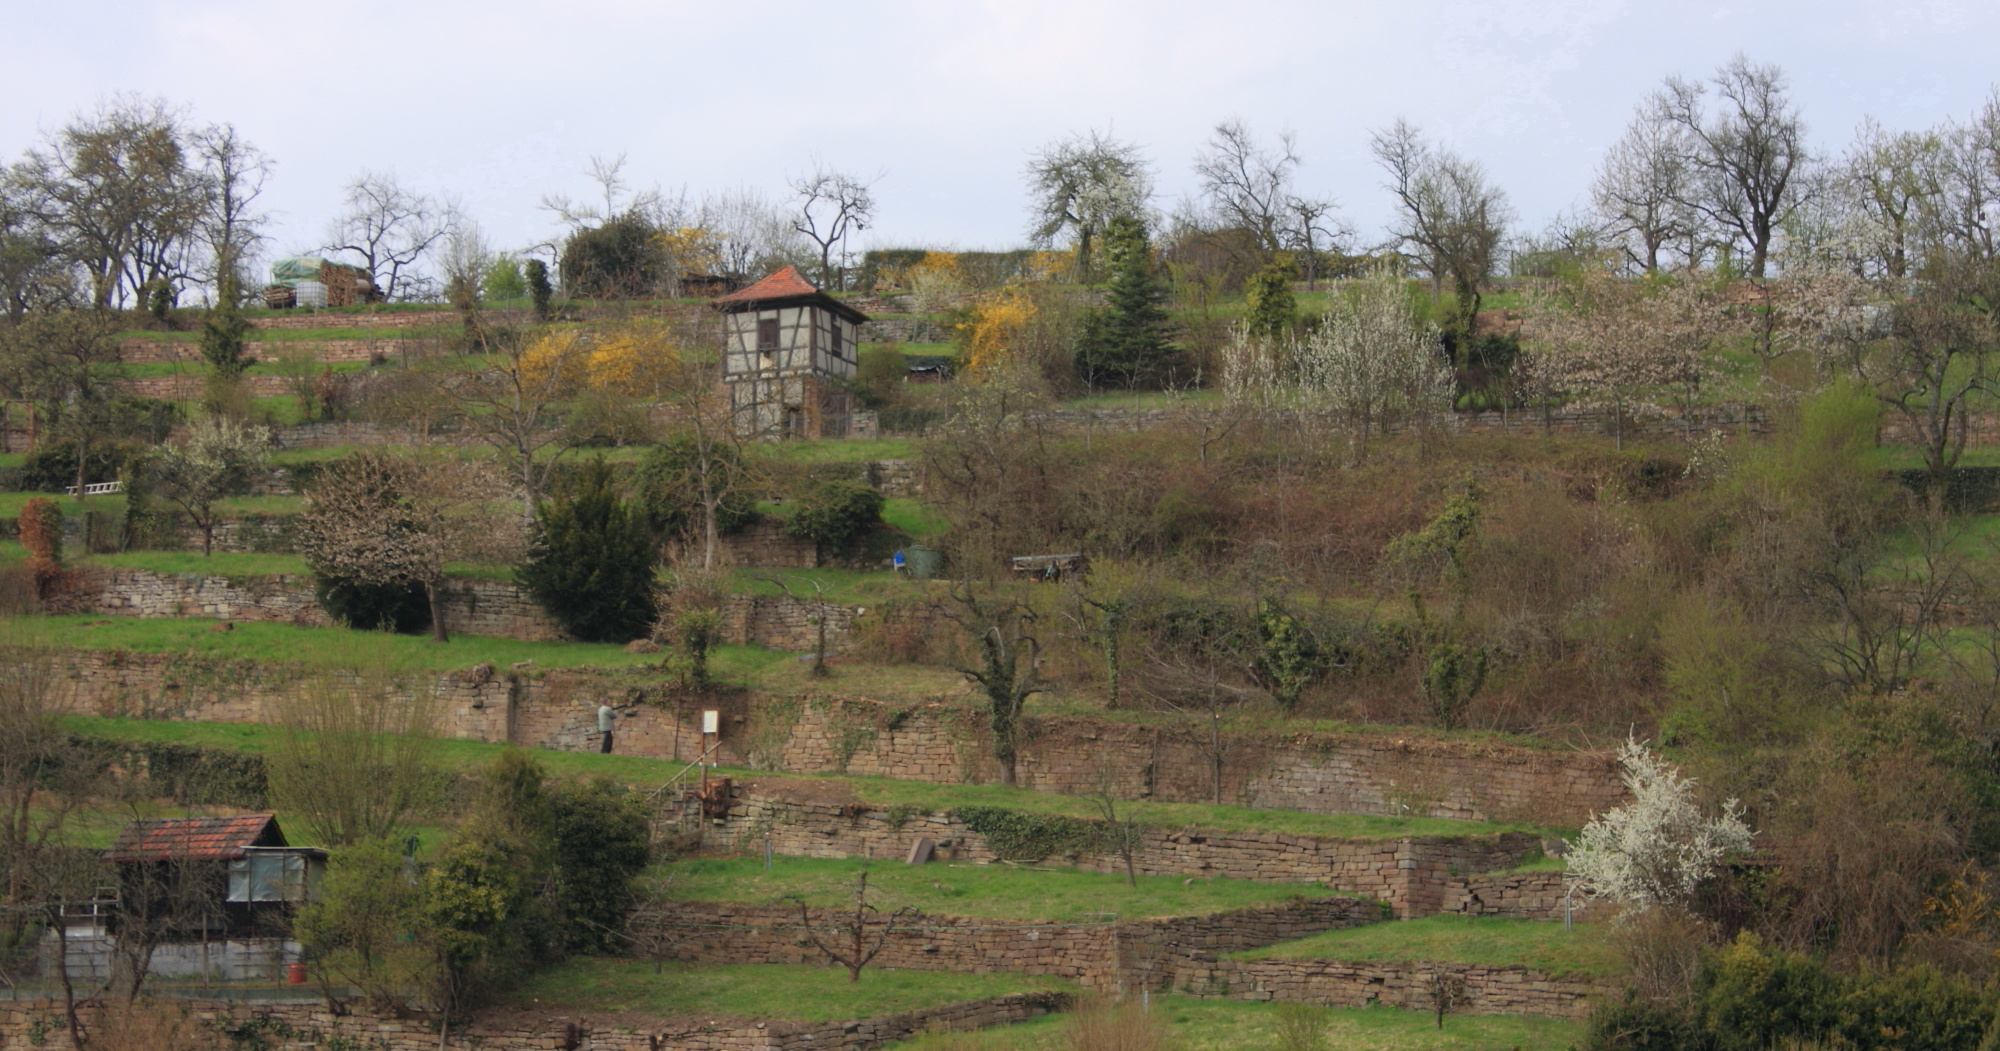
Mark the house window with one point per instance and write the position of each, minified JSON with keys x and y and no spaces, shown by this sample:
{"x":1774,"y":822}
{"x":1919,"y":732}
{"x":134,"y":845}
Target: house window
{"x":268,"y":877}
{"x":834,"y":340}
{"x":767,"y":334}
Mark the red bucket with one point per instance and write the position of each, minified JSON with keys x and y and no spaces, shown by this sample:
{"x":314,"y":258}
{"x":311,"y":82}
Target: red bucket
{"x":295,"y":973}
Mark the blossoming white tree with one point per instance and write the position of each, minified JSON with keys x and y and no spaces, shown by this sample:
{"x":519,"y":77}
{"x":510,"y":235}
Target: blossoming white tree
{"x":1655,"y":850}
{"x":1367,"y":366}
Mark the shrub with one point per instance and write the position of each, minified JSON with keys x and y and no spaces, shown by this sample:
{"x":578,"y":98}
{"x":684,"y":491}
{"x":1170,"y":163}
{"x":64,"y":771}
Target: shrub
{"x":592,"y":559}
{"x":671,"y":493}
{"x":40,"y":526}
{"x":600,"y":848}
{"x":401,"y":608}
{"x":833,"y":514}
{"x":621,"y":258}
{"x":536,"y":273}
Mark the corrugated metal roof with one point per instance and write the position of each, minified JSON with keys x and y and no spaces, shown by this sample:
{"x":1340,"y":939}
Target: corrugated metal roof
{"x":207,"y":838}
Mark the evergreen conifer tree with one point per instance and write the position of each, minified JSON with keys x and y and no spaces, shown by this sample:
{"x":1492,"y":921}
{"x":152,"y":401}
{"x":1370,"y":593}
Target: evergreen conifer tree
{"x":1128,"y":339}
{"x":592,"y":562}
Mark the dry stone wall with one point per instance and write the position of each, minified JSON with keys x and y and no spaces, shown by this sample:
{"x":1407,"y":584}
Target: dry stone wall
{"x":1331,"y":773}
{"x":1106,"y":955}
{"x":939,"y":742}
{"x":1528,"y":895}
{"x":139,"y":348}
{"x":474,"y":606}
{"x":1347,"y":983}
{"x":1409,"y":874}
{"x":313,"y":1027}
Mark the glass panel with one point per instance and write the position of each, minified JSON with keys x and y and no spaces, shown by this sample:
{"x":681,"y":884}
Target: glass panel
{"x":267,"y":875}
{"x":239,"y":880}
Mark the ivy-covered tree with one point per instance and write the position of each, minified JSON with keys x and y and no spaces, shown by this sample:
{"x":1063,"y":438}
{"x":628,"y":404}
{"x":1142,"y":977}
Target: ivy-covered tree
{"x":1268,"y":292}
{"x":1129,"y":339}
{"x":591,"y":560}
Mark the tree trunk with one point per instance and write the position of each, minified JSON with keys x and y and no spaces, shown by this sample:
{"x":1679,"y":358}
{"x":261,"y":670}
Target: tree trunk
{"x":437,"y":613}
{"x":708,"y":538}
{"x":207,"y":536}
{"x":82,"y":454}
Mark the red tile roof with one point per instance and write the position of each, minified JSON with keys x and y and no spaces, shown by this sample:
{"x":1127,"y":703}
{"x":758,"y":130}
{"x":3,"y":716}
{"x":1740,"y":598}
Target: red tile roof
{"x":785,"y":283}
{"x":211,"y":838}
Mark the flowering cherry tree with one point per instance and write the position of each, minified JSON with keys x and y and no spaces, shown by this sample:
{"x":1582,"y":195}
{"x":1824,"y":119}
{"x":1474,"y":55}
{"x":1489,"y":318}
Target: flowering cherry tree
{"x":1656,"y":849}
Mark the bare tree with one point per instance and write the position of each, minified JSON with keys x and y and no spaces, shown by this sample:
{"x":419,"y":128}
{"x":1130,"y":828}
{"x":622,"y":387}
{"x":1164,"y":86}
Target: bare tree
{"x":1749,"y":160}
{"x":1311,"y":229}
{"x":518,"y":402}
{"x":389,"y":228}
{"x":1939,"y":362}
{"x":1247,"y":184}
{"x":1641,"y":190}
{"x":833,"y":205}
{"x":118,"y":192}
{"x":355,"y":758}
{"x":1122,"y":831}
{"x":1968,"y":221}
{"x":1079,"y":184}
{"x":231,"y":226}
{"x":1891,"y":185}
{"x":1448,"y":212}
{"x":705,"y":455}
{"x":618,"y":197}
{"x":854,"y":940}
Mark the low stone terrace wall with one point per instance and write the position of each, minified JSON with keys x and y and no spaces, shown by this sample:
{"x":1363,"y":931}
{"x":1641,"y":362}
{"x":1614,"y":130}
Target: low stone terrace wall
{"x":1409,"y":873}
{"x":1346,"y":983}
{"x":1108,"y":955}
{"x":299,"y":1027}
{"x":937,"y":742}
{"x":328,"y":351}
{"x":473,"y":605}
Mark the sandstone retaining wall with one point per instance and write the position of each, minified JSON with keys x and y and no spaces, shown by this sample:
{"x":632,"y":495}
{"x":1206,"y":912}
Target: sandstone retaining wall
{"x":139,"y":348}
{"x":475,"y":606}
{"x":1106,"y":955}
{"x":1347,"y":983}
{"x":1408,"y":873}
{"x":313,"y":1027}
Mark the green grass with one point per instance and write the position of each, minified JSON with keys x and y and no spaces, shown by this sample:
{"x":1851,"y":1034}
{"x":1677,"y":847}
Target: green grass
{"x":885,"y":792}
{"x":325,"y":647}
{"x":909,"y":516}
{"x":995,"y":891}
{"x":304,"y":335}
{"x":1200,"y":1024}
{"x":795,"y":992}
{"x":1585,"y":949}
{"x":839,"y":450}
{"x":847,"y":586}
{"x":219,"y":564}
{"x":881,"y":792}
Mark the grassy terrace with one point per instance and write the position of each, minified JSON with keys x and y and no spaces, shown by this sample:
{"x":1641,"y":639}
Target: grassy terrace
{"x":881,"y":792}
{"x":1585,"y":949}
{"x":339,"y":647}
{"x":995,"y":891}
{"x":1195,"y":1024}
{"x":795,"y":992}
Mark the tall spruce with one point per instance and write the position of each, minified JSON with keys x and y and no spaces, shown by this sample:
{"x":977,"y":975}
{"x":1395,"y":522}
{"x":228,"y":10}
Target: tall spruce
{"x":592,"y":562}
{"x":1128,"y":340}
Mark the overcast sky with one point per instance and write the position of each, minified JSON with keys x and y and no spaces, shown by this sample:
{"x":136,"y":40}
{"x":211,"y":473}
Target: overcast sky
{"x":501,"y":102}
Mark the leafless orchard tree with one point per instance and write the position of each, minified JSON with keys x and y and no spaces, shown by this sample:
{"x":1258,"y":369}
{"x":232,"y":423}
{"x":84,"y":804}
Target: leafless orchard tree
{"x":853,"y":940}
{"x":1641,"y":190}
{"x":1449,"y":214}
{"x":1247,"y":184}
{"x":1968,"y":221}
{"x":1750,"y":165}
{"x":389,"y":228}
{"x":1079,"y":184}
{"x":1313,"y":226}
{"x":618,"y":197}
{"x":833,"y":205}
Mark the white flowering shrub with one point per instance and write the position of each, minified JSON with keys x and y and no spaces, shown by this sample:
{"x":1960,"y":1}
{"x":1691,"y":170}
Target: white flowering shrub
{"x":1655,"y":850}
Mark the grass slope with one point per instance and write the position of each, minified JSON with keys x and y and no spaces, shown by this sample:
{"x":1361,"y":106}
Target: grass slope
{"x":794,"y":992}
{"x":881,"y":792}
{"x":993,"y":891}
{"x":1195,"y":1024}
{"x":1585,"y":949}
